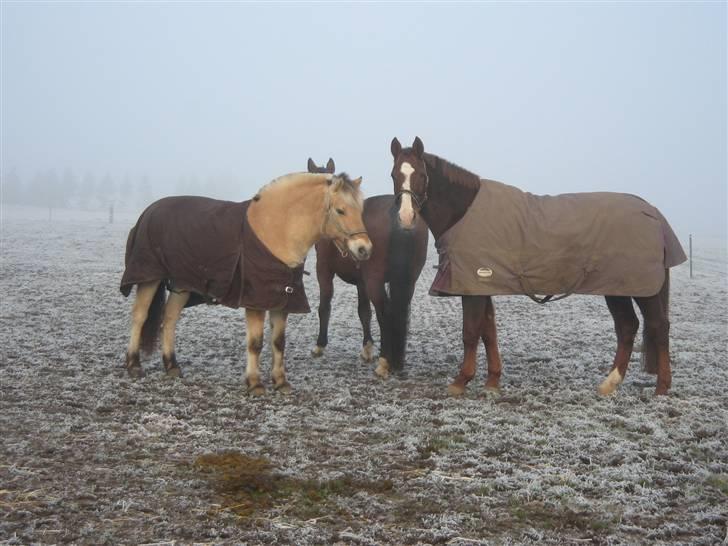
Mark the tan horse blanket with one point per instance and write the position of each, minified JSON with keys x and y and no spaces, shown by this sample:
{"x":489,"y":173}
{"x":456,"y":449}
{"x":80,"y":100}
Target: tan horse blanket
{"x":207,"y":247}
{"x":514,"y":242}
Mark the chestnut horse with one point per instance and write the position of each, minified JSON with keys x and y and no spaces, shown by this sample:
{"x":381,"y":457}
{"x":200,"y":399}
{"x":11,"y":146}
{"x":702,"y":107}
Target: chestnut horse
{"x":441,"y":193}
{"x":246,"y":254}
{"x":397,"y":259}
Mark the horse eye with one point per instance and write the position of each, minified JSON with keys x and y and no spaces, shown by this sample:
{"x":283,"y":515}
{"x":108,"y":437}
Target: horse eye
{"x":340,"y":211}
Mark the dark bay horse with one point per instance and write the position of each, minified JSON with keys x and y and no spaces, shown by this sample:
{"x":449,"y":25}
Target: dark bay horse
{"x":397,"y":259}
{"x":490,"y":240}
{"x":247,"y":254}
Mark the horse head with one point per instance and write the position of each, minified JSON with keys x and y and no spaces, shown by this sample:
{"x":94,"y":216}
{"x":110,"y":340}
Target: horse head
{"x":409,"y":175}
{"x":343,"y":223}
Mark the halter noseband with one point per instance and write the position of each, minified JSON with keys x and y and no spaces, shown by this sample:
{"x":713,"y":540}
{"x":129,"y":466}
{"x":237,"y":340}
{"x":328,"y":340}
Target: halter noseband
{"x":413,"y":195}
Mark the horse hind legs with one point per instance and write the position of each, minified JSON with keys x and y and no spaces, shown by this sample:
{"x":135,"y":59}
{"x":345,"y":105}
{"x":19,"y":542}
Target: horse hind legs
{"x":172,"y":311}
{"x":625,"y":326}
{"x":146,"y":307}
{"x":657,"y":334}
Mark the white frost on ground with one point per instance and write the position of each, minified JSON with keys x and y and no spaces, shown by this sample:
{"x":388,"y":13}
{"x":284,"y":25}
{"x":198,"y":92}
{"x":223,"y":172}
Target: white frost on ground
{"x":89,"y":456}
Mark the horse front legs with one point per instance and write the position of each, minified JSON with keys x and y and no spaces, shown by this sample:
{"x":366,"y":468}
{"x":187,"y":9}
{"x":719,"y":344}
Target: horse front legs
{"x":326,"y":292}
{"x":255,"y":320}
{"x":478,"y":324}
{"x":365,"y":317}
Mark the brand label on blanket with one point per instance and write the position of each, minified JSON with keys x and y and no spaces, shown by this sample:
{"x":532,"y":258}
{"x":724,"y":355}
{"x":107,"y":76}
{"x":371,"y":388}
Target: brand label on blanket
{"x":484,"y":272}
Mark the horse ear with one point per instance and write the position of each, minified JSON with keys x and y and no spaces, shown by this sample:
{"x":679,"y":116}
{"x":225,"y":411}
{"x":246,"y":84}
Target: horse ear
{"x":395,"y":147}
{"x":330,"y":166}
{"x":357,"y":182}
{"x":311,"y":166}
{"x":418,"y":147}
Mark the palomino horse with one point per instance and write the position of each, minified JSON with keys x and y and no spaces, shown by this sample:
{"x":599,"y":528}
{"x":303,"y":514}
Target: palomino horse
{"x":397,"y":259}
{"x":246,"y":254}
{"x":495,"y":239}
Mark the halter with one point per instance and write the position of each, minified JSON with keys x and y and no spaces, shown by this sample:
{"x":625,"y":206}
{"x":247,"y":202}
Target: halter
{"x":418,"y":203}
{"x":413,"y":195}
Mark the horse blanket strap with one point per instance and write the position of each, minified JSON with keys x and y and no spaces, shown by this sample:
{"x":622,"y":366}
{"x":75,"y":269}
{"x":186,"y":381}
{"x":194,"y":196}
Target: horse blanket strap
{"x":206,"y":247}
{"x":511,"y":242}
{"x":549,"y":298}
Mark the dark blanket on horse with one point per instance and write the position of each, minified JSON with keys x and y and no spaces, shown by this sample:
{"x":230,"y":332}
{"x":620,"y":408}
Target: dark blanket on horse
{"x":514,"y":242}
{"x":207,"y":247}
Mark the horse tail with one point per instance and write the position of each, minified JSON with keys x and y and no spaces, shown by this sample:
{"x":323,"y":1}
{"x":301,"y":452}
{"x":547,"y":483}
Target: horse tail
{"x":401,"y":285}
{"x":649,"y":347}
{"x":153,"y":323}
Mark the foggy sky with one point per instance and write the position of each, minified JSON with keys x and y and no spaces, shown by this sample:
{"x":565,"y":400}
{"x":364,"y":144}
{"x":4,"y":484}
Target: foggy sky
{"x":551,"y":98}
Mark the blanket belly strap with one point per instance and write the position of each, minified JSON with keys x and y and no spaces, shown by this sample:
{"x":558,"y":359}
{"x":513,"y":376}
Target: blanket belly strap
{"x":528,"y":291}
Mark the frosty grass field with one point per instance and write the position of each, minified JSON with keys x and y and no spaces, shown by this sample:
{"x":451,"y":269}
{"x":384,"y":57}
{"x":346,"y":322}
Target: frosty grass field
{"x":89,"y":456}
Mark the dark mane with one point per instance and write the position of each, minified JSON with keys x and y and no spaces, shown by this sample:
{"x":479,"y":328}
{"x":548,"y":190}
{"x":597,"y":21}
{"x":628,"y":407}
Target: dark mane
{"x":450,"y":171}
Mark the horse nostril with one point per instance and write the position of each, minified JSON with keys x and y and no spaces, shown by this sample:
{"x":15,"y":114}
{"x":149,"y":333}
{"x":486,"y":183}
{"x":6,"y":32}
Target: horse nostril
{"x":363,"y":251}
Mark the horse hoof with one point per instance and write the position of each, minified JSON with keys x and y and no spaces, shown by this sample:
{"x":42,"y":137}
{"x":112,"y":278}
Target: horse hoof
{"x":367,"y":352}
{"x":454,"y":389}
{"x":382,"y":369}
{"x":610,"y":384}
{"x":660,"y":391}
{"x":494,"y":389}
{"x":174,"y":372}
{"x":135,"y":372}
{"x":256,"y":390}
{"x":284,"y":388}
{"x":605,"y":390}
{"x":317,"y":351}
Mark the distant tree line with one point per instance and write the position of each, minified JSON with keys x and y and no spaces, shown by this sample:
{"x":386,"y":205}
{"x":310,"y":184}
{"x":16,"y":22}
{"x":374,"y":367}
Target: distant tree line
{"x":51,"y":189}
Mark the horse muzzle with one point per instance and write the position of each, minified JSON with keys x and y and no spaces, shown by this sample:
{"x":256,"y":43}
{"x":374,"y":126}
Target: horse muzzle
{"x":360,"y":248}
{"x":407,"y":219}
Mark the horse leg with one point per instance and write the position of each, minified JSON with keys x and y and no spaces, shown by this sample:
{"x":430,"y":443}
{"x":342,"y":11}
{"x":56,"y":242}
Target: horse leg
{"x":326,"y":290}
{"x":625,"y":325}
{"x":490,"y":340}
{"x":278,"y":321}
{"x":473,"y":324}
{"x":254,"y":320}
{"x":365,"y":316}
{"x":378,"y":297}
{"x":657,"y":330}
{"x":172,"y":310}
{"x":145,"y":293}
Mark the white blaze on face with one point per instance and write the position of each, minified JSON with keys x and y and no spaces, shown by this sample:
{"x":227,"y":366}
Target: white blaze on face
{"x":406,"y":211}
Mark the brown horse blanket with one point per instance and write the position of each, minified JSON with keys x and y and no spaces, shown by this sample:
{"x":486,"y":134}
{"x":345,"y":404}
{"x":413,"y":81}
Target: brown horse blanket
{"x":514,"y":242}
{"x":207,"y":247}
